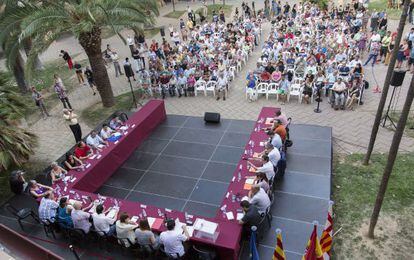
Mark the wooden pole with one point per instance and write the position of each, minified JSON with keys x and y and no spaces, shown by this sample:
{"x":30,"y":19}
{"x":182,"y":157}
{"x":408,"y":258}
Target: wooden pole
{"x":386,"y":87}
{"x":391,"y":158}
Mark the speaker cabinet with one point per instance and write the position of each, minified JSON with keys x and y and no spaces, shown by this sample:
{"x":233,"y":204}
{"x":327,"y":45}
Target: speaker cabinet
{"x":212,"y":117}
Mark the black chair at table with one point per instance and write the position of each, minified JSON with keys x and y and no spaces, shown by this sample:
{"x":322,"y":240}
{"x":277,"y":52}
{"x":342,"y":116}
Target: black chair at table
{"x":49,"y":228}
{"x":21,"y":214}
{"x":77,"y":236}
{"x":168,"y":256}
{"x":203,"y":253}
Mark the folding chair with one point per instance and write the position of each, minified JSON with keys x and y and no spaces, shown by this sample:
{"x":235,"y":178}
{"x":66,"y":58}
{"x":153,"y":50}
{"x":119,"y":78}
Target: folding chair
{"x":22,"y":214}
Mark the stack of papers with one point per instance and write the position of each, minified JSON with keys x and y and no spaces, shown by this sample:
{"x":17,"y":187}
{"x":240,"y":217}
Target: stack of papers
{"x":206,"y":227}
{"x":93,"y":156}
{"x":155,"y":223}
{"x":230,"y":215}
{"x":112,"y":213}
{"x":269,"y":121}
{"x":240,"y":216}
{"x":248,"y":184}
{"x":134,"y":219}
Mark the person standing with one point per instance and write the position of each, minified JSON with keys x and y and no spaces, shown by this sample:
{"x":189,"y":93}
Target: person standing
{"x":131,"y":43}
{"x":373,"y":53}
{"x":72,"y":120}
{"x":115,"y":61}
{"x":79,"y":73}
{"x":38,"y":98}
{"x":61,"y":92}
{"x":129,"y":72}
{"x":137,"y":60}
{"x":89,"y":76}
{"x":65,"y":55}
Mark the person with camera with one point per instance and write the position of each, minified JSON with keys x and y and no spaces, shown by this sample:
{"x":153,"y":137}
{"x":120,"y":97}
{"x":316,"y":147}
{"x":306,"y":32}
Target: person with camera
{"x":72,"y":120}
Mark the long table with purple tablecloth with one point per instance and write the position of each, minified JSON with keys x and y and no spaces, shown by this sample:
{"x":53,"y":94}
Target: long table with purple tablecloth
{"x":82,"y":184}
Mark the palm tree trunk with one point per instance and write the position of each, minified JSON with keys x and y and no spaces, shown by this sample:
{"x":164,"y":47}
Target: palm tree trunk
{"x":91,"y":43}
{"x":18,"y":72}
{"x":27,"y":45}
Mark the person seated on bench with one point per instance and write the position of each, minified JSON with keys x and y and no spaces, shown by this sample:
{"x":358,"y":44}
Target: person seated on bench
{"x":259,"y":198}
{"x":83,"y":151}
{"x":80,"y":216}
{"x":262,"y":181}
{"x":338,"y":90}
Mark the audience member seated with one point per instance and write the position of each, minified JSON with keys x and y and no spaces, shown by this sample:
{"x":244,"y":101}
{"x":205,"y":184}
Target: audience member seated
{"x":73,"y":163}
{"x":64,"y":213}
{"x":275,"y":140}
{"x":259,"y":198}
{"x":95,"y":141}
{"x":48,"y":208}
{"x":17,"y":182}
{"x":339,"y":89}
{"x":281,"y":117}
{"x":173,"y":241}
{"x":267,"y":167}
{"x":125,"y":229}
{"x":251,"y":217}
{"x":115,"y":123}
{"x":83,"y":151}
{"x":103,"y":223}
{"x":280,"y":129}
{"x":144,"y":235}
{"x":80,"y":217}
{"x":262,"y":181}
{"x":106,"y":131}
{"x":38,"y":190}
{"x":307,"y":90}
{"x":354,"y":92}
{"x":57,"y":172}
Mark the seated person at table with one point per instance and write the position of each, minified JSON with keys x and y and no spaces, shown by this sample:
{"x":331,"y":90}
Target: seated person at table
{"x":339,"y":89}
{"x":274,"y":155}
{"x":262,"y":181}
{"x":83,"y":151}
{"x":266,"y":168}
{"x":38,"y":190}
{"x":251,"y":216}
{"x":57,"y":172}
{"x":72,"y":162}
{"x":173,"y":241}
{"x":144,"y":235}
{"x":47,"y":208}
{"x":94,"y":140}
{"x":115,"y":122}
{"x":281,"y":117}
{"x":280,"y":129}
{"x":80,"y":217}
{"x":125,"y":229}
{"x":102,"y":223}
{"x":63,"y":213}
{"x":259,"y":198}
{"x":106,"y":131}
{"x":275,"y":140}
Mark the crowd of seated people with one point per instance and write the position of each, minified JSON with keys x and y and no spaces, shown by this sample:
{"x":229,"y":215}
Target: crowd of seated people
{"x":312,"y":50}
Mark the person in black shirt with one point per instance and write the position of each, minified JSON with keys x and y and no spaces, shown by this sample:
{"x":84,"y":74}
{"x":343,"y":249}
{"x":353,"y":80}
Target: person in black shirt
{"x":89,"y":76}
{"x":79,"y":72}
{"x":65,"y":55}
{"x":251,"y":217}
{"x":17,"y":182}
{"x":269,"y":68}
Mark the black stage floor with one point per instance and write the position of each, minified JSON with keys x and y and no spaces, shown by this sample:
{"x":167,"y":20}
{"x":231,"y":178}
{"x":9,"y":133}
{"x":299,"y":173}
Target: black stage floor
{"x":187,"y":165}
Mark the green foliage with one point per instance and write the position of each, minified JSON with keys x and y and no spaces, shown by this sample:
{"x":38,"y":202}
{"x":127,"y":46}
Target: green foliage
{"x":379,"y":5}
{"x":216,"y":8}
{"x":175,"y":14}
{"x":16,"y":144}
{"x":323,"y":4}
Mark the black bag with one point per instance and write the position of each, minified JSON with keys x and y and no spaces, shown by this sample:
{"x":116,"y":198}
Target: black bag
{"x":288,"y":143}
{"x":366,"y":84}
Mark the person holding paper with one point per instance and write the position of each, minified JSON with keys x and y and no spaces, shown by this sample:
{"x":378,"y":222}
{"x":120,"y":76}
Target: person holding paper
{"x":266,"y":168}
{"x":251,"y":216}
{"x":102,"y":223}
{"x":259,"y":198}
{"x":125,"y":229}
{"x":94,"y":141}
{"x":106,"y":131}
{"x":173,"y":240}
{"x":72,"y":162}
{"x":144,"y":235}
{"x":83,"y":151}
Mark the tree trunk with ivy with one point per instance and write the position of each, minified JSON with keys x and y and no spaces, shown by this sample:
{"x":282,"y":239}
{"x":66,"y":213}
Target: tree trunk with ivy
{"x":27,"y":46}
{"x":91,"y":43}
{"x":18,"y":73}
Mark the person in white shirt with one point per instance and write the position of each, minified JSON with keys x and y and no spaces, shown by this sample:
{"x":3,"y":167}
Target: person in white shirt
{"x":102,"y":223}
{"x":338,"y":90}
{"x":106,"y":131}
{"x":131,"y":43}
{"x":274,"y":155}
{"x":173,"y":240}
{"x":221,"y":86}
{"x":275,"y":140}
{"x":259,"y":198}
{"x":94,"y":141}
{"x":80,"y":217}
{"x":266,"y":168}
{"x":125,"y":229}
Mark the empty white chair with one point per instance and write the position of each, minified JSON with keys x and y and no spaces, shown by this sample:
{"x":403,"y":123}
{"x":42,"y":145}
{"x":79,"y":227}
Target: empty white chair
{"x":211,"y":87}
{"x":200,"y":86}
{"x":272,"y":90}
{"x":262,"y":88}
{"x":295,"y":90}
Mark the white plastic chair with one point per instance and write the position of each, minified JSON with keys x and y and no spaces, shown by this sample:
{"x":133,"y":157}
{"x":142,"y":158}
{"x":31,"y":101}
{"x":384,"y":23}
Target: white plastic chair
{"x":211,"y":87}
{"x":272,"y":90}
{"x":262,"y":88}
{"x":295,"y":90}
{"x":231,"y":73}
{"x":200,"y":86}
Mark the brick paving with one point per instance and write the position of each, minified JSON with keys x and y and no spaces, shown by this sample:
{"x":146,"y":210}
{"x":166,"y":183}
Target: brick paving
{"x":351,"y":129}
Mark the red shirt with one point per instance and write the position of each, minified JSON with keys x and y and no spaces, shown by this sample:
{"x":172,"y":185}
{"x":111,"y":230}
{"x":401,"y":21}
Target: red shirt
{"x":281,"y":131}
{"x":82,"y":151}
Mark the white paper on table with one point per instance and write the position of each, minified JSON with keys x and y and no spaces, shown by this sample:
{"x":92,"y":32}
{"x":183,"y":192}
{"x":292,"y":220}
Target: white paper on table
{"x":99,"y":156}
{"x":93,"y":156}
{"x":117,"y":141}
{"x":112,"y":212}
{"x":239,"y":216}
{"x":227,"y":195}
{"x":151,"y":221}
{"x":126,"y":132}
{"x":101,"y":146}
{"x":66,"y":178}
{"x":117,"y":134}
{"x":190,"y":230}
{"x":230,"y":215}
{"x":250,"y":181}
{"x":123,"y":128}
{"x":262,"y":143}
{"x":205,"y":226}
{"x":134,"y":219}
{"x":245,"y":198}
{"x":74,"y":179}
{"x":168,"y":210}
{"x":143,"y":206}
{"x":232,"y":180}
{"x":178,"y":226}
{"x":88,"y":165}
{"x":133,"y":125}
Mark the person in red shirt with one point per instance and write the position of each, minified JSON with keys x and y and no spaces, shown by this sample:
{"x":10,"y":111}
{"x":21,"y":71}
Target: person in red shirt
{"x":83,"y":151}
{"x":279,"y":129}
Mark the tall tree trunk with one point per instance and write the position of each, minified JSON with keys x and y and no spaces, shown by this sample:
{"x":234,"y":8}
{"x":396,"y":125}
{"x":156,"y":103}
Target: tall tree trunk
{"x":18,"y":72}
{"x":91,"y":43}
{"x":27,"y":45}
{"x":391,"y":158}
{"x":386,"y":87}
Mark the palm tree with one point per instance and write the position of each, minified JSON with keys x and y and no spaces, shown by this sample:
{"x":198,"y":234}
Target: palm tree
{"x":16,"y":144}
{"x":85,"y":19}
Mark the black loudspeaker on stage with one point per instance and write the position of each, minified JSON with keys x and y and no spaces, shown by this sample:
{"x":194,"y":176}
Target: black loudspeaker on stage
{"x":210,"y":117}
{"x":397,"y":80}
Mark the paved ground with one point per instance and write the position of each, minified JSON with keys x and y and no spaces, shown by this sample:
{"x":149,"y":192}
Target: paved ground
{"x":351,"y":129}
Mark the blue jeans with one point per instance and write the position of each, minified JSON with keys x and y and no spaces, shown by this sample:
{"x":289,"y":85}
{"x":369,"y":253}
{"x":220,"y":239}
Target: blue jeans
{"x":371,"y":56}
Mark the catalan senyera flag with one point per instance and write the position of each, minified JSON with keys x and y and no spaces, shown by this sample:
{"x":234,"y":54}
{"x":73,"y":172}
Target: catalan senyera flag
{"x":313,"y":250}
{"x":279,"y":254}
{"x":326,"y":237}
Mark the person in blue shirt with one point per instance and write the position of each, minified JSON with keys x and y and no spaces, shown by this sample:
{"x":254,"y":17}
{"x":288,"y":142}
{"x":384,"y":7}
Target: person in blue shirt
{"x":63,"y":214}
{"x":251,"y":84}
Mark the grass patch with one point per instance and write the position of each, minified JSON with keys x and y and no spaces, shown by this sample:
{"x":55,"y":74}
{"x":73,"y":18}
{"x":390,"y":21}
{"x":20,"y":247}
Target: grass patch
{"x":175,"y":14}
{"x":216,"y":7}
{"x":354,"y":191}
{"x":409,"y":127}
{"x":380,"y":5}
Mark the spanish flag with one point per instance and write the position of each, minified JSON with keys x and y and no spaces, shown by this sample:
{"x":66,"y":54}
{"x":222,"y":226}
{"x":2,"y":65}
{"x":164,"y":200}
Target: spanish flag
{"x":279,"y":254}
{"x":313,"y":250}
{"x":326,"y":237}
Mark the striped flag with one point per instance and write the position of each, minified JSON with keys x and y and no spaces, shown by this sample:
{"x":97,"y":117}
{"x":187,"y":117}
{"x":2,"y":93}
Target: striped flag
{"x":326,"y":237}
{"x":279,"y":254}
{"x":313,"y":249}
